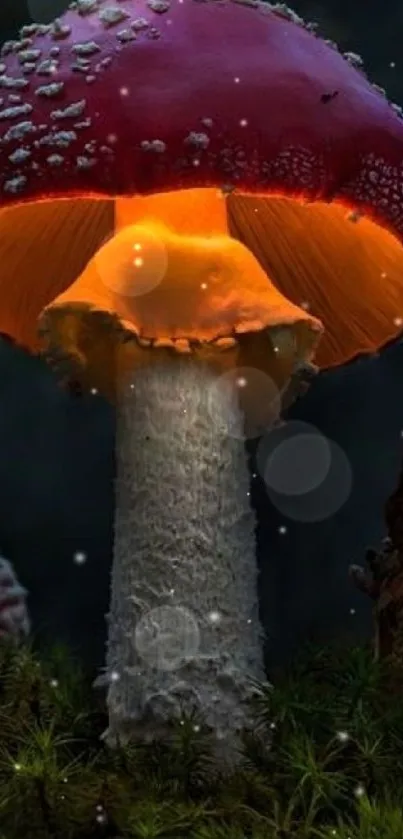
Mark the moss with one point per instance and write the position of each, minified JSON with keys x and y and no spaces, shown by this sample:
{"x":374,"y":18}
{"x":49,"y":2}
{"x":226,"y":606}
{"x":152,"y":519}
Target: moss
{"x":324,"y":759}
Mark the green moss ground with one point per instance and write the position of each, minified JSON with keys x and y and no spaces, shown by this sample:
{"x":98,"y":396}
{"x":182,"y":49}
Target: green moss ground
{"x":334,"y":768}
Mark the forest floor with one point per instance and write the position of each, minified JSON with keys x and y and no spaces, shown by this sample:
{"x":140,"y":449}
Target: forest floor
{"x":325,"y":759}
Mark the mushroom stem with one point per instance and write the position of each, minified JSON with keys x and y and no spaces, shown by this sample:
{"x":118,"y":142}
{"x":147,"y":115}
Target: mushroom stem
{"x":184,"y":631}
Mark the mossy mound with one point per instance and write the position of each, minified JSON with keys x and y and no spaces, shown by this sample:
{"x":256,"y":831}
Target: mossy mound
{"x":333,"y":770}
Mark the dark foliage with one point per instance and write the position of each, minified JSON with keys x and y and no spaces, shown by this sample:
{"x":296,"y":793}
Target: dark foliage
{"x":334,"y":767}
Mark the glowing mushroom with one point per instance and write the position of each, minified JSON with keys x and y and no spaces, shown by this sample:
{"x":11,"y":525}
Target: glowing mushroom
{"x":219,"y":154}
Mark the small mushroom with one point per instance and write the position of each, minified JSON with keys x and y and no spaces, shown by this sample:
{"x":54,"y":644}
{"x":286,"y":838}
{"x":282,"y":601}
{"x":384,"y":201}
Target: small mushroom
{"x":14,"y":618}
{"x":179,"y":173}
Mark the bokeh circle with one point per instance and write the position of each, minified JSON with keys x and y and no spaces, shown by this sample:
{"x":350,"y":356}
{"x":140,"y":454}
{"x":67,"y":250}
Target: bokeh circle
{"x":133,"y":262}
{"x":167,"y":637}
{"x":257,"y":396}
{"x":308,"y":477}
{"x":298,"y":464}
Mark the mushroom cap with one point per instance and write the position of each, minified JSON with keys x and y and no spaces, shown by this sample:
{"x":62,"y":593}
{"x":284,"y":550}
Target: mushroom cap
{"x":138,"y":98}
{"x":149,"y":289}
{"x":150,"y":96}
{"x":162,"y":285}
{"x":14,"y":618}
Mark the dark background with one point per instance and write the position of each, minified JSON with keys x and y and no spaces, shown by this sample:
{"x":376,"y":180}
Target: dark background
{"x":56,"y":452}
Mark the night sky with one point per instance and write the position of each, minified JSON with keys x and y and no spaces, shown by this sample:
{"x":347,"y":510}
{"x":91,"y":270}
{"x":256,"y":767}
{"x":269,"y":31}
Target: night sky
{"x":57,"y":462}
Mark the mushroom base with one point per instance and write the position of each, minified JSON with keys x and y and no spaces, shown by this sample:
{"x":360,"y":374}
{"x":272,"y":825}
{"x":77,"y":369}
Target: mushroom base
{"x":184,"y":630}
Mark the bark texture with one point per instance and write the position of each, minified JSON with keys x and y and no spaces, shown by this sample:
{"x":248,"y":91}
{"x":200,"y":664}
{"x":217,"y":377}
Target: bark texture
{"x":184,"y":630}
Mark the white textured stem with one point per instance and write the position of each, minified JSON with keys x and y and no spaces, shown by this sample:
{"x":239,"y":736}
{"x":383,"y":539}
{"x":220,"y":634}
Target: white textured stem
{"x":184,"y":556}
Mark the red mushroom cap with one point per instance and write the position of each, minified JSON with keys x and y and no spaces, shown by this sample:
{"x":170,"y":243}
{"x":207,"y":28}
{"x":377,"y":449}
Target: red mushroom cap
{"x":135,"y":97}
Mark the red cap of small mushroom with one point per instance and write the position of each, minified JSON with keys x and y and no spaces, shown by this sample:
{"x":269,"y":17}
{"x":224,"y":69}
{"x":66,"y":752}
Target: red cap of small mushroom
{"x":145,"y":96}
